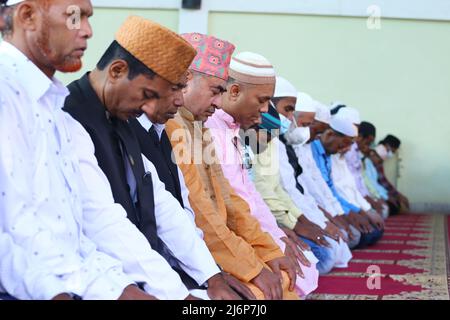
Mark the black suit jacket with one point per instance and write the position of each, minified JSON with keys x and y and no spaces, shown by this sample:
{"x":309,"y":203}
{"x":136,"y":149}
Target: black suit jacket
{"x":109,"y":135}
{"x":159,"y":152}
{"x":115,"y":141}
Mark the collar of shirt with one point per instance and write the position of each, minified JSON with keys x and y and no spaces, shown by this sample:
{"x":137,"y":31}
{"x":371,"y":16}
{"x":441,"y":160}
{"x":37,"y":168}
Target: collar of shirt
{"x":186,"y":114}
{"x":325,"y":157}
{"x":319,"y":147}
{"x":31,"y":77}
{"x":228,"y":120}
{"x":147,"y":124}
{"x":353,"y":156}
{"x":197,"y":128}
{"x":91,"y":96}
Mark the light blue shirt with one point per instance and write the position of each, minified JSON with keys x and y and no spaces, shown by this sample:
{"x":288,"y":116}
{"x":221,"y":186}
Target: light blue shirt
{"x":323,"y":162}
{"x":372,"y":175}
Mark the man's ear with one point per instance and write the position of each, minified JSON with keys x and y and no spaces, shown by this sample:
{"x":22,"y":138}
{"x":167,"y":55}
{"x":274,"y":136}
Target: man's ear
{"x":328,"y":133}
{"x":235,"y":90}
{"x":118,"y":69}
{"x":26,"y":15}
{"x":189,"y":75}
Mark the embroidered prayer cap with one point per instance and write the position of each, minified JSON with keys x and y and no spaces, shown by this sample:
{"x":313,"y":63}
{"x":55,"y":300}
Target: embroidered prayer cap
{"x":213,"y":54}
{"x":252,"y":68}
{"x":159,"y":48}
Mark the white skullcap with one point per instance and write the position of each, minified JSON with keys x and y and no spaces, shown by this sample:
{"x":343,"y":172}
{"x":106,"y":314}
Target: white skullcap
{"x":344,"y":126}
{"x":284,"y":88}
{"x":382,"y":151}
{"x":322,"y":113}
{"x":336,"y":103}
{"x":305,"y":103}
{"x":13,"y":2}
{"x":350,"y":113}
{"x":249,"y":67}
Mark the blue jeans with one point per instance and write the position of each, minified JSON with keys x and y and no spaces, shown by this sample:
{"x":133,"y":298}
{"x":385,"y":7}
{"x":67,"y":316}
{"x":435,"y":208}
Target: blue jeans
{"x":5,"y":296}
{"x":368,"y":239}
{"x":325,"y":256}
{"x":356,"y":237}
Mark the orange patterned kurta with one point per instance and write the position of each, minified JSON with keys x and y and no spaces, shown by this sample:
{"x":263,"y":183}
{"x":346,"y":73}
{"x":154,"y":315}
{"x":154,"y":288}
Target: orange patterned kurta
{"x":231,"y":233}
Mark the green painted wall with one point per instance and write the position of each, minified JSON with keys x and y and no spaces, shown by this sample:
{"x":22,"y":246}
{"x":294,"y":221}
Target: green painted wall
{"x":398,"y":76}
{"x":105,"y":23}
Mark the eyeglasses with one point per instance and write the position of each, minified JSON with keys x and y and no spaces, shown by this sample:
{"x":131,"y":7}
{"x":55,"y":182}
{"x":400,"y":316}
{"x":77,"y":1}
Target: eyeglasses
{"x":247,"y":161}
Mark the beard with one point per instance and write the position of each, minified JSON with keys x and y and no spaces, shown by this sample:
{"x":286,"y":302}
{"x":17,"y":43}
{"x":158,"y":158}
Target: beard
{"x":70,"y":64}
{"x":65,"y":63}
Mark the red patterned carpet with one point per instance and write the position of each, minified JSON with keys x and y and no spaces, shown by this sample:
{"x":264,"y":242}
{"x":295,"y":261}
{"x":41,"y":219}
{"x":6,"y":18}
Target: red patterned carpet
{"x":410,"y":262}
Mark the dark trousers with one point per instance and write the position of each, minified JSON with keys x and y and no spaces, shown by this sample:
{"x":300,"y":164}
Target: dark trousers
{"x":368,"y":239}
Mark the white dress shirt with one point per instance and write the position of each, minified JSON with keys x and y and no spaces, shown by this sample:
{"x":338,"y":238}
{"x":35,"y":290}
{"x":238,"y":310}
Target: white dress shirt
{"x":345,"y":182}
{"x":309,"y":207}
{"x":147,"y":124}
{"x":179,"y":234}
{"x":44,"y":249}
{"x":312,"y":180}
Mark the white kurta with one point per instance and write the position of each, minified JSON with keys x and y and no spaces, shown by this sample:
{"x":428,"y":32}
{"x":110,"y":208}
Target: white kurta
{"x":313,"y":181}
{"x":345,"y":182}
{"x":44,"y":250}
{"x":309,"y":206}
{"x":305,"y":202}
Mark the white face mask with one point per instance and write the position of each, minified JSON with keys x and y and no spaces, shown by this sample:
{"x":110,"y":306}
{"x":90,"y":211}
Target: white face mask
{"x":292,"y":133}
{"x":390,"y":154}
{"x":285,"y":124}
{"x":298,"y":136}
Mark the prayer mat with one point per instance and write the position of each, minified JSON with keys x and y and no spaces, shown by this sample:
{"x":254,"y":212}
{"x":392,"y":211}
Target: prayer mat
{"x":411,"y":261}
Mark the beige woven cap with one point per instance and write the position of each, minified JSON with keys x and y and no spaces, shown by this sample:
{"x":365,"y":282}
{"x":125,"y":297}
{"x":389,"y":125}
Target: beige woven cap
{"x":159,"y":48}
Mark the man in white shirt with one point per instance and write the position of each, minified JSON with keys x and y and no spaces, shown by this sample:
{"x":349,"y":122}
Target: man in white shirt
{"x":45,"y":248}
{"x":345,"y":184}
{"x":312,"y":180}
{"x":297,"y":133}
{"x":60,"y":232}
{"x":343,"y":178}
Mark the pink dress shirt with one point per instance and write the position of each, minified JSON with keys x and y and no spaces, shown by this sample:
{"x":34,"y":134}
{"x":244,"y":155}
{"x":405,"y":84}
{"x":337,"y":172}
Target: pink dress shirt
{"x":225,"y":132}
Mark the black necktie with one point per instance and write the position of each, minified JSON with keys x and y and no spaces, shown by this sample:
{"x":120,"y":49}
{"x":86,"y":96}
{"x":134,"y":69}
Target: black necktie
{"x":154,"y":135}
